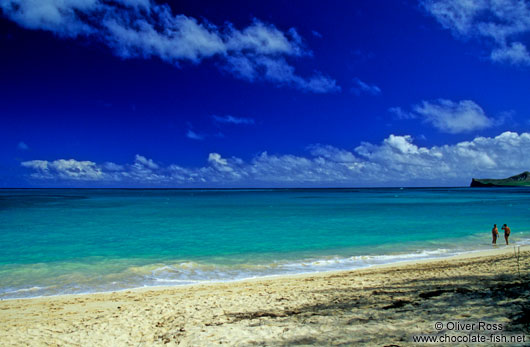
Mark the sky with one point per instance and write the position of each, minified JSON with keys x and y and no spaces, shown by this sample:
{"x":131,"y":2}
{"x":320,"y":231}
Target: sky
{"x":143,"y":93}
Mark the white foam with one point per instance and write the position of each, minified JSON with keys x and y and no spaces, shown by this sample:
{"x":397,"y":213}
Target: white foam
{"x":183,"y":273}
{"x":24,"y":290}
{"x":189,"y":273}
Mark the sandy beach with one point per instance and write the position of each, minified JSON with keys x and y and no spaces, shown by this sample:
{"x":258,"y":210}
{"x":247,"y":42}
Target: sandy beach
{"x":383,"y":305}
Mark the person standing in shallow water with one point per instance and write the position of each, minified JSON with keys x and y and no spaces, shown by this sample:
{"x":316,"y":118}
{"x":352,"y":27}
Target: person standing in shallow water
{"x":494,"y":234}
{"x":506,"y":232}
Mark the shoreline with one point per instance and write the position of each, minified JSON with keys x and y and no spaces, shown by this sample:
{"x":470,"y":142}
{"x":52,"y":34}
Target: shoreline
{"x":502,"y":249}
{"x":462,"y":256}
{"x":381,"y":304}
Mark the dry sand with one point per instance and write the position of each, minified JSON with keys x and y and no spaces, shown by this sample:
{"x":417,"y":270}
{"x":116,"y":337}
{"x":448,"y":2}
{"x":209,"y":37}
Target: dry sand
{"x":377,"y":306}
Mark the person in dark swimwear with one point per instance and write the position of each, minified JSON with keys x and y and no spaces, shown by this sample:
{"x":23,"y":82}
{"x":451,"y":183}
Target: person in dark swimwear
{"x":494,"y":234}
{"x":506,"y":232}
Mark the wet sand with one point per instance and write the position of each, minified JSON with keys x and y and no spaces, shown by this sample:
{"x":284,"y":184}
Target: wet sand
{"x":383,"y":305}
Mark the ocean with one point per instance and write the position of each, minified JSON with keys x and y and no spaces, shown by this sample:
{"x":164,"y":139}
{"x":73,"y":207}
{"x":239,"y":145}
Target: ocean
{"x":68,"y":241}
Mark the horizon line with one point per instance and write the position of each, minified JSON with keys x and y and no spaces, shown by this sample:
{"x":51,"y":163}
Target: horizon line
{"x":237,"y":188}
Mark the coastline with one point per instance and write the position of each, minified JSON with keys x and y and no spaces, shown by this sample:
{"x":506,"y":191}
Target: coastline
{"x":317,"y":266}
{"x":380,"y":304}
{"x":308,"y":266}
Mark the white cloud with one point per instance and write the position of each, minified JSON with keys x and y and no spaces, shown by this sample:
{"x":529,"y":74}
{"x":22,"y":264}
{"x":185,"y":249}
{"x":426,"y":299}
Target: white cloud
{"x":219,"y":163}
{"x":316,"y":34}
{"x":454,"y":117}
{"x":142,"y":170}
{"x":500,"y":22}
{"x":333,"y":154}
{"x":362,"y":87}
{"x":401,"y":114}
{"x":39,"y":165}
{"x":143,"y":28}
{"x":144,"y":162}
{"x":397,"y":160}
{"x":318,"y":83}
{"x":277,"y":70}
{"x":109,"y":166}
{"x":216,"y":159}
{"x":70,"y":169}
{"x":22,"y":146}
{"x":232,"y":119}
{"x":515,"y":53}
{"x":449,"y":116}
{"x":190,"y":134}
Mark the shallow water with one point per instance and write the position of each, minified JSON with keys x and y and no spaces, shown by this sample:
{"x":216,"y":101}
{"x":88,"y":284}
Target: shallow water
{"x":57,"y":241}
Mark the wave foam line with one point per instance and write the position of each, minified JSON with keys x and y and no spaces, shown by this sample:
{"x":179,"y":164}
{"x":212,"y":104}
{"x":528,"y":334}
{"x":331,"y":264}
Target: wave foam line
{"x":190,"y":273}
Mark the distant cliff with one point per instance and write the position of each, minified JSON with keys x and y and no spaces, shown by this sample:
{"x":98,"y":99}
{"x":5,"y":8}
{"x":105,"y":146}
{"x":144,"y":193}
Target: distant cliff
{"x":521,"y":180}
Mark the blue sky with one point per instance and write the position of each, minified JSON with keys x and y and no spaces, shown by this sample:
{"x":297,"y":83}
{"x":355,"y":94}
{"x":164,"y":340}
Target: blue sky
{"x":139,"y":93}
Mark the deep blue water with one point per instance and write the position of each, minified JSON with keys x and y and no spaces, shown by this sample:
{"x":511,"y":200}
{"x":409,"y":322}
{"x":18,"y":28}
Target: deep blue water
{"x":56,"y":241}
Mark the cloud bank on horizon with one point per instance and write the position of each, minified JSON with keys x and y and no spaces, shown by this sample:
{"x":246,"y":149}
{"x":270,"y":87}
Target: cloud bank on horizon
{"x":502,"y":23}
{"x":145,"y":29}
{"x":397,"y":160}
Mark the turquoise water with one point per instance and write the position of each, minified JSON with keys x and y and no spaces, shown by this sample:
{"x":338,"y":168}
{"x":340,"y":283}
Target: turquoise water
{"x":58,"y":241}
